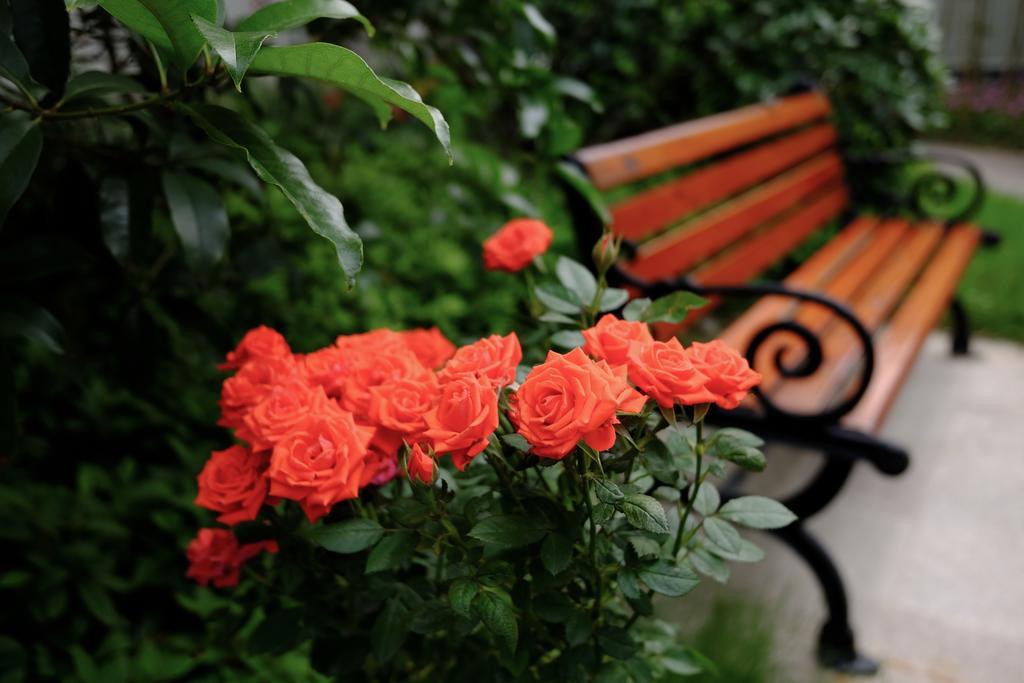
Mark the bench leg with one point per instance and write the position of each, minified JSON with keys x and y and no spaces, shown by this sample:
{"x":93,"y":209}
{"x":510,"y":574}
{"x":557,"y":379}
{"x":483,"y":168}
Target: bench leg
{"x":961,"y":328}
{"x":836,"y":646}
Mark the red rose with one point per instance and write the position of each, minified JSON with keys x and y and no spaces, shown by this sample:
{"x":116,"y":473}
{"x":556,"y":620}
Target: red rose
{"x":232,"y":483}
{"x":421,"y":466}
{"x":216,"y":557}
{"x":612,"y":339}
{"x":729,"y":374}
{"x":375,"y":368}
{"x":283,"y":408}
{"x":320,"y":462}
{"x":463,"y":420}
{"x":261,"y":342}
{"x":429,"y":345}
{"x":663,"y":371}
{"x":493,"y":359}
{"x":570,"y":398}
{"x":381,"y":464}
{"x":516,"y":244}
{"x":253,"y":383}
{"x":327,"y":368}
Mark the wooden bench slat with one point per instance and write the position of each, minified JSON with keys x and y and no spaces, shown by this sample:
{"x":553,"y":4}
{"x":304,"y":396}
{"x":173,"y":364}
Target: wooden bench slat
{"x":709,"y":234}
{"x":649,"y":211}
{"x":900,"y":342}
{"x":630,"y":159}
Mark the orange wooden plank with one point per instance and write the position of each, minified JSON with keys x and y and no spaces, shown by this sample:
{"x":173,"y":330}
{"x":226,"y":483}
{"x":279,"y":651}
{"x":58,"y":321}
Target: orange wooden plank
{"x":680,"y":250}
{"x":899,"y":344}
{"x":630,"y":159}
{"x":648,"y":211}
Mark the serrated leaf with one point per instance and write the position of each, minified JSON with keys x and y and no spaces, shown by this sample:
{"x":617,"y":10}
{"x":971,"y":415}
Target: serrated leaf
{"x":350,"y":536}
{"x":668,"y":579}
{"x":558,"y":298}
{"x":461,"y":594}
{"x":578,"y":628}
{"x":608,"y":491}
{"x":748,"y":552}
{"x":508,"y":530}
{"x":680,"y":441}
{"x":235,"y":48}
{"x":279,"y":167}
{"x":735,"y":450}
{"x":707,"y":500}
{"x":644,"y":512}
{"x":517,"y":441}
{"x":603,"y":512}
{"x":613,"y":298}
{"x":346,"y":69}
{"x":722,"y":534}
{"x":757,"y":512}
{"x":21,"y":142}
{"x":199,"y":218}
{"x":635,"y":309}
{"x":568,"y":339}
{"x":711,"y":565}
{"x":391,"y":552}
{"x":556,"y":553}
{"x":575,"y":277}
{"x":740,"y":436}
{"x":281,"y":16}
{"x":498,"y":616}
{"x":616,"y":642}
{"x":645,"y":547}
{"x":672,"y":308}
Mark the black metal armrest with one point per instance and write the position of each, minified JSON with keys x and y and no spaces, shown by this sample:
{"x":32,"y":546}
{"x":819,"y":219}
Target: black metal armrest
{"x":813,"y":355}
{"x":932,"y":194}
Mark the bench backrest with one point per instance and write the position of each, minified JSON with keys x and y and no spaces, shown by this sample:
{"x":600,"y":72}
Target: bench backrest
{"x":757,"y":182}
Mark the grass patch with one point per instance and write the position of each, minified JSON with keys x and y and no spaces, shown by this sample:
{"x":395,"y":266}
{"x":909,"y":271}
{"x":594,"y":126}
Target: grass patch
{"x":739,"y":638}
{"x":993,"y":287}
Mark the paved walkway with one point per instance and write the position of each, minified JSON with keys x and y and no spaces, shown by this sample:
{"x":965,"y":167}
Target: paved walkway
{"x":1002,"y":169}
{"x":934,"y":559}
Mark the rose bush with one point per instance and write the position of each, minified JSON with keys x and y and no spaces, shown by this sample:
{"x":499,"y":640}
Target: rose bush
{"x":399,"y":502}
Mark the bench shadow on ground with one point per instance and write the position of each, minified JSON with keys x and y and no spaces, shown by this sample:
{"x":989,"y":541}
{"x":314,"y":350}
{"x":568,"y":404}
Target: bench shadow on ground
{"x":932,"y":559}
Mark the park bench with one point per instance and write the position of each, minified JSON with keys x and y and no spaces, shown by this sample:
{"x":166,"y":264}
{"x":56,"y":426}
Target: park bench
{"x":726,"y":200}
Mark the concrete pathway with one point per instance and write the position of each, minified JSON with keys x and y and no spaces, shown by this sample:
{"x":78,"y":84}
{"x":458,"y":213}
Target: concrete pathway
{"x":933,"y":559}
{"x":1002,"y":169}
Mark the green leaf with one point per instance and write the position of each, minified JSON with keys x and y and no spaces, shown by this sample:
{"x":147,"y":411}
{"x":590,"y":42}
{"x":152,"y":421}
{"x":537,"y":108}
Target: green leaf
{"x":757,"y":512}
{"x":613,"y":298}
{"x":669,"y":579}
{"x":552,"y":317}
{"x":508,"y":530}
{"x":644,"y":546}
{"x":21,"y":141}
{"x":461,"y":594}
{"x":608,"y":491}
{"x":707,"y":500}
{"x":635,"y":309}
{"x":350,"y":536}
{"x":616,"y":642}
{"x":740,"y":436}
{"x":680,"y":441}
{"x":498,"y":616}
{"x":344,"y":68}
{"x":409,"y":512}
{"x":42,"y":32}
{"x":21,"y":318}
{"x":603,"y":512}
{"x":539,"y":22}
{"x":734,"y":449}
{"x":281,"y":16}
{"x":748,"y":552}
{"x":93,"y":83}
{"x":279,"y":167}
{"x":711,"y":565}
{"x":568,"y":339}
{"x":575,"y":277}
{"x":558,"y":298}
{"x":391,"y":552}
{"x":135,"y":16}
{"x":667,"y":494}
{"x":231,"y":170}
{"x":199,"y":218}
{"x":99,"y":603}
{"x":517,"y":441}
{"x":644,"y":512}
{"x":573,"y":176}
{"x":578,"y":628}
{"x":235,"y":48}
{"x":628,"y":582}
{"x":175,"y":17}
{"x":672,"y":308}
{"x":12,"y":62}
{"x":556,"y":553}
{"x":279,"y":632}
{"x":390,"y":629}
{"x":722,"y":534}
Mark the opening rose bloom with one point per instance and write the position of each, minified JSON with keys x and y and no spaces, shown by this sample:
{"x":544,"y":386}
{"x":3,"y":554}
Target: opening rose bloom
{"x":664,"y":371}
{"x":429,"y":345}
{"x":320,"y":461}
{"x":729,"y":375}
{"x":215,"y":556}
{"x":613,"y":339}
{"x":232,"y":483}
{"x":421,"y":466}
{"x":284,"y":407}
{"x":571,"y":398}
{"x":260,"y":342}
{"x":463,"y":420}
{"x":516,"y":244}
{"x":493,"y":359}
{"x":253,"y":383}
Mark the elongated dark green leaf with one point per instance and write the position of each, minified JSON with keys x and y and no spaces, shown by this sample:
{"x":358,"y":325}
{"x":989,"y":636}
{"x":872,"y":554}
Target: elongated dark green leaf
{"x":12,"y":62}
{"x":21,"y":318}
{"x":175,"y":17}
{"x":21,"y":141}
{"x":135,"y":16}
{"x":757,"y":512}
{"x":556,"y":553}
{"x":509,"y":531}
{"x":575,"y":277}
{"x":41,"y":31}
{"x":574,"y":177}
{"x":344,"y":68}
{"x":390,"y":630}
{"x":461,"y":594}
{"x":349,"y":536}
{"x":99,"y":83}
{"x":235,"y":48}
{"x":98,"y":601}
{"x":499,"y":618}
{"x":668,"y":579}
{"x":277,"y":166}
{"x":281,"y":16}
{"x":199,"y":218}
{"x":644,"y":512}
{"x":391,"y":552}
{"x":722,"y":534}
